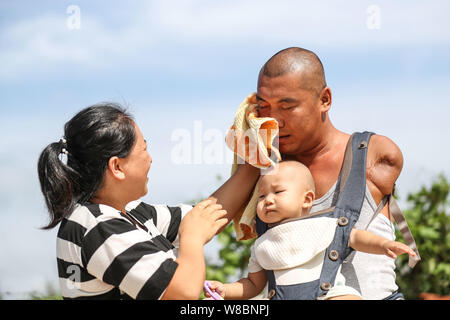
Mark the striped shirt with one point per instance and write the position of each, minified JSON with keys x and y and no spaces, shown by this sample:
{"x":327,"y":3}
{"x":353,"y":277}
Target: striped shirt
{"x":102,"y":254}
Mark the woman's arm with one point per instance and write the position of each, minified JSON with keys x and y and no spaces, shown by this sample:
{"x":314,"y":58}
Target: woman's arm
{"x":187,"y":281}
{"x":365,"y":241}
{"x":236,"y":191}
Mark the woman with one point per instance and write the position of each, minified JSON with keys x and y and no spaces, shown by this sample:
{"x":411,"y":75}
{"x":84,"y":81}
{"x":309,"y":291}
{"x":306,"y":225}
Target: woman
{"x":110,"y":245}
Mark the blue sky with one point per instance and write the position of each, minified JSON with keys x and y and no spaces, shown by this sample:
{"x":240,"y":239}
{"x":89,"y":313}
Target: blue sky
{"x":177,"y":62}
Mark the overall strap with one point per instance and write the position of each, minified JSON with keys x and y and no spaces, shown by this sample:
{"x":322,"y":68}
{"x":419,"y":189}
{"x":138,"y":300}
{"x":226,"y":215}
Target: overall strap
{"x":352,"y":192}
{"x":261,"y":227}
{"x":400,"y":219}
{"x":353,"y":184}
{"x":404,"y":229}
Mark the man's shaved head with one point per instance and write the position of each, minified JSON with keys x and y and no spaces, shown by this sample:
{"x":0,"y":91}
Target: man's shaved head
{"x":297,"y":60}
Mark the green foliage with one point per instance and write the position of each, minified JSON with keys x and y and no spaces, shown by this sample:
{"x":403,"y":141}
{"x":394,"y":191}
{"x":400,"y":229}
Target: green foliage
{"x":428,"y":217}
{"x":234,"y":257}
{"x":50,"y":293}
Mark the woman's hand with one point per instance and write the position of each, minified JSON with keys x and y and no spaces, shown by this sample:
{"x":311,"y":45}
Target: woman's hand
{"x":203,"y":221}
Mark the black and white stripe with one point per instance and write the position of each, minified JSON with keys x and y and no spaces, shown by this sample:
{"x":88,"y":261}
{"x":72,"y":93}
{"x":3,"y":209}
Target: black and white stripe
{"x":102,"y":254}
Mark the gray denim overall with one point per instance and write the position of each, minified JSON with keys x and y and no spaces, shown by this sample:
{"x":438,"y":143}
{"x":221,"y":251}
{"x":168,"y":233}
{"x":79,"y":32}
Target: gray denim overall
{"x":346,"y":208}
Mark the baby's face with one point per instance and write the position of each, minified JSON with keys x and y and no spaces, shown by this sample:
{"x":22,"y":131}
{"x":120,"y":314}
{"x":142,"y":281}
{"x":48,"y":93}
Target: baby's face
{"x":282,"y":195}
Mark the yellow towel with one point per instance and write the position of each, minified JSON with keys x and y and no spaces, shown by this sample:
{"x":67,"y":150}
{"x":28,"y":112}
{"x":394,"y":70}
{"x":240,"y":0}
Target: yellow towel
{"x":251,"y":139}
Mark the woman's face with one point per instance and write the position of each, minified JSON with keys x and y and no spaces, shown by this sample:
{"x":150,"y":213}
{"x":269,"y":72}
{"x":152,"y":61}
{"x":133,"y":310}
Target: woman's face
{"x":136,"y":167}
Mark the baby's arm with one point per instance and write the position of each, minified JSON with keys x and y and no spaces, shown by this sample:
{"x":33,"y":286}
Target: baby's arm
{"x":245,"y":288}
{"x":365,"y":241}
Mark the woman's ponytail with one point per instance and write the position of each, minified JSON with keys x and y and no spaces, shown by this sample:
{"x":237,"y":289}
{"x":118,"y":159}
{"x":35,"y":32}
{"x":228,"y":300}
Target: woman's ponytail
{"x":57,"y":183}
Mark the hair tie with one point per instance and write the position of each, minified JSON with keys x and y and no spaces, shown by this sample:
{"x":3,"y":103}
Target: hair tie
{"x":63,"y":143}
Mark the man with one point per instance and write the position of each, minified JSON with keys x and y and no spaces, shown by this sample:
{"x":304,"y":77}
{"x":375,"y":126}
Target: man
{"x":292,"y":89}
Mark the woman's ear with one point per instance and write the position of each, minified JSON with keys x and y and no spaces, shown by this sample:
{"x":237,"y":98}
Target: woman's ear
{"x":115,"y":168}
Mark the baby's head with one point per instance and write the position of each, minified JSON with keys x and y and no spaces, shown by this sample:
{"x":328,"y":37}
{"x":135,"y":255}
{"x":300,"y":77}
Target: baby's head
{"x":287,"y":193}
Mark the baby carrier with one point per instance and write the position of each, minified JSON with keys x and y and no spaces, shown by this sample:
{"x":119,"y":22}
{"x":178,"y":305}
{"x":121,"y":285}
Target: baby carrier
{"x":345,"y":208}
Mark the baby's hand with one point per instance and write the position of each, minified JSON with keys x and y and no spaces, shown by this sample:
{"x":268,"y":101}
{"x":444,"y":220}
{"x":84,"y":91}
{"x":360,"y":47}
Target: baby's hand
{"x":217,"y":287}
{"x":394,"y":248}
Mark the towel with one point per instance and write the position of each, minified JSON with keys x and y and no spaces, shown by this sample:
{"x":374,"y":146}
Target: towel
{"x":251,"y":138}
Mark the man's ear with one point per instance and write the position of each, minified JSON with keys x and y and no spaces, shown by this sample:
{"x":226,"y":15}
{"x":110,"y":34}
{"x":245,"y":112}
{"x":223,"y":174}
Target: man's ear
{"x":309,"y":199}
{"x":115,"y":168}
{"x":325,"y":99}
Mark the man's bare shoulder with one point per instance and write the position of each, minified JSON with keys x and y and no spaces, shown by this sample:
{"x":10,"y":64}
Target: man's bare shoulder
{"x":384,"y":163}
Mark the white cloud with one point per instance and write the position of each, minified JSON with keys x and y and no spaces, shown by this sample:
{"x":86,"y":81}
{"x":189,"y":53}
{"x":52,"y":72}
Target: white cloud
{"x":329,"y":23}
{"x":45,"y":43}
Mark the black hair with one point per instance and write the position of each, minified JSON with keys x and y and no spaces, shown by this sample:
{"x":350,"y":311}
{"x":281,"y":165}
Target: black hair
{"x":91,"y":138}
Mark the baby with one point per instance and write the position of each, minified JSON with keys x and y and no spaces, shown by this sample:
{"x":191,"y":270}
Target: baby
{"x":292,"y":246}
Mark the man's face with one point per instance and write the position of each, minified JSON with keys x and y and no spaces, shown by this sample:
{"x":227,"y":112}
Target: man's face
{"x":297,"y":110}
